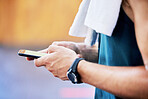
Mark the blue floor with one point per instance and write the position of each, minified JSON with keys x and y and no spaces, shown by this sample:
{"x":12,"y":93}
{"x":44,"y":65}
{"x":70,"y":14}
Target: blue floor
{"x":20,"y":79}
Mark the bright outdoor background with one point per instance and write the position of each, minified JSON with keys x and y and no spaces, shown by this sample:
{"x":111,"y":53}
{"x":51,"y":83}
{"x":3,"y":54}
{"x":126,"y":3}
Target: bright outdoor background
{"x":34,"y":25}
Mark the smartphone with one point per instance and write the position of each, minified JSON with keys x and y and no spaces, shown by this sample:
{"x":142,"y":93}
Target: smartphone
{"x":31,"y":54}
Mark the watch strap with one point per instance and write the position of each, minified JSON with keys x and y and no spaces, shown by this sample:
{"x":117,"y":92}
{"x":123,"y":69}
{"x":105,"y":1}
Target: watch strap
{"x":75,"y":64}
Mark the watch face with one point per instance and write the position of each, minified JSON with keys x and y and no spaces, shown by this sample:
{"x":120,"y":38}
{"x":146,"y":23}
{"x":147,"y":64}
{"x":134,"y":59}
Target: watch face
{"x":72,"y":77}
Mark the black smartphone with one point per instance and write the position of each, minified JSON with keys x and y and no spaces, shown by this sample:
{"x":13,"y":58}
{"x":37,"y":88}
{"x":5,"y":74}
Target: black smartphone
{"x":29,"y":53}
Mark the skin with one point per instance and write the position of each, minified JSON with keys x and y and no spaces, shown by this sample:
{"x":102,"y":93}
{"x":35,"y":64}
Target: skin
{"x":125,"y":82}
{"x":90,"y":53}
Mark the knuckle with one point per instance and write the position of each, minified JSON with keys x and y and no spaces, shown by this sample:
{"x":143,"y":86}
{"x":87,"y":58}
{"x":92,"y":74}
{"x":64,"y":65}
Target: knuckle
{"x":55,"y":75}
{"x":62,"y":78}
{"x":49,"y":64}
{"x":47,"y":61}
{"x":55,"y":43}
{"x":50,"y":47}
{"x":50,"y":69}
{"x":36,"y":63}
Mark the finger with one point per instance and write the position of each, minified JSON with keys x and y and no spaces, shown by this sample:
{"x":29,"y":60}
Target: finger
{"x":44,"y":51}
{"x":54,"y":48}
{"x":39,"y":62}
{"x":29,"y":58}
{"x":49,"y":68}
{"x":64,"y":78}
{"x":62,"y":43}
{"x":55,"y":43}
{"x":45,"y":60}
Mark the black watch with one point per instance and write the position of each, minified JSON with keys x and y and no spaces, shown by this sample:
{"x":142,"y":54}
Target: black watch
{"x":72,"y":73}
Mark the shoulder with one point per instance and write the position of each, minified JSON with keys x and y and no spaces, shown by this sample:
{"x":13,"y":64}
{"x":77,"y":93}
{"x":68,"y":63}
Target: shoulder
{"x":139,"y":8}
{"x":138,"y":4}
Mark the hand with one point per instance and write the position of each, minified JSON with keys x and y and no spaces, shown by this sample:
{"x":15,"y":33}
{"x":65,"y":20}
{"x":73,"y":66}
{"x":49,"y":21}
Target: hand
{"x":89,"y":53}
{"x":71,"y":45}
{"x":58,"y":61}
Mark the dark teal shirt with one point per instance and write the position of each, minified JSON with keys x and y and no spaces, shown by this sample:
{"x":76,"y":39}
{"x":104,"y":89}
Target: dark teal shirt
{"x":118,"y":50}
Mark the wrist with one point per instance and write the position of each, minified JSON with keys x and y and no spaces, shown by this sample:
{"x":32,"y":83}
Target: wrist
{"x":89,"y":53}
{"x":80,"y":69}
{"x":72,"y":73}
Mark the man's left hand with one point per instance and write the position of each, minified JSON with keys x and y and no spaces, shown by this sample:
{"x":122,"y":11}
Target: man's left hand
{"x":58,"y":60}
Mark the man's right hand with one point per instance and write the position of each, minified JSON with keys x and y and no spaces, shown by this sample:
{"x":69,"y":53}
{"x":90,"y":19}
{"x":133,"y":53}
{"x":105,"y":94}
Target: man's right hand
{"x":71,"y":45}
{"x":89,"y":53}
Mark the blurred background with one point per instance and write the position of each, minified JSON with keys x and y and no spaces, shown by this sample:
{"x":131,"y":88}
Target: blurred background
{"x":34,"y":25}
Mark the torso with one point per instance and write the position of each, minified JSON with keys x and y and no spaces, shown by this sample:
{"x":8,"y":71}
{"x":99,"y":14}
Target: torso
{"x":121,"y":49}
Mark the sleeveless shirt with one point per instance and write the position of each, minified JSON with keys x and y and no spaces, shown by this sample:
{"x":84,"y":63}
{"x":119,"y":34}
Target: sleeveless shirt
{"x":120,"y":49}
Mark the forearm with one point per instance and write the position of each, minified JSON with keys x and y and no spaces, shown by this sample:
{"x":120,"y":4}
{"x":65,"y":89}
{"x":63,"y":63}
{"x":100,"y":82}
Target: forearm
{"x":131,"y":82}
{"x":89,"y":53}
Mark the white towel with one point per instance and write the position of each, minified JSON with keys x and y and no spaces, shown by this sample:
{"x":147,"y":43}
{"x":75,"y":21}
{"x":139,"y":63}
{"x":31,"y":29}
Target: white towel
{"x":98,"y":15}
